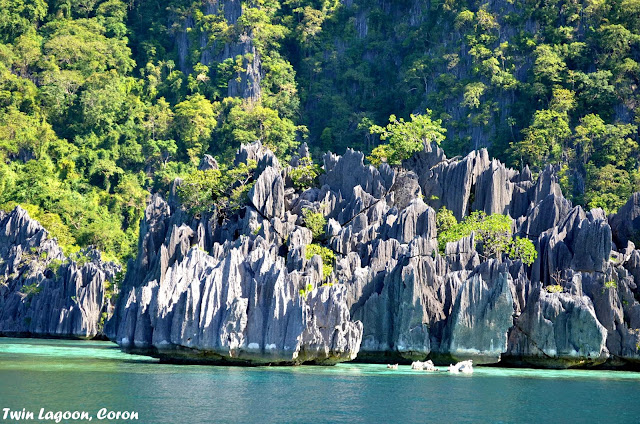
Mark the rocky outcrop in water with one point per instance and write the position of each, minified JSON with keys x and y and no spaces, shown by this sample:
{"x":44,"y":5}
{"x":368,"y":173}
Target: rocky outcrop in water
{"x":43,"y":292}
{"x":203,"y":292}
{"x":240,"y":288}
{"x":230,"y":291}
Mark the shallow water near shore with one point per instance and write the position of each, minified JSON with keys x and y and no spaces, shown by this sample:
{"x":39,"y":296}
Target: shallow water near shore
{"x":61,"y":375}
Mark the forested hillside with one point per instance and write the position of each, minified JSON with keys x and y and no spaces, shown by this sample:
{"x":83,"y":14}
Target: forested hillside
{"x":102,"y":102}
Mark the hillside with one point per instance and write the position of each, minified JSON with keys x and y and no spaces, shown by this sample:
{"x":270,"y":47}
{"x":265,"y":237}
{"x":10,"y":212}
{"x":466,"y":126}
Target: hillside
{"x":105,"y":102}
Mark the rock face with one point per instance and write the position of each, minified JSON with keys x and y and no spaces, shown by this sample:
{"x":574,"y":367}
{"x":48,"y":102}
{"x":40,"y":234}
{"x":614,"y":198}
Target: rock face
{"x":44,"y":293}
{"x":198,"y":300}
{"x":241,"y":289}
{"x":559,"y":330}
{"x":268,"y":194}
{"x":246,"y":82}
{"x":481,"y":316}
{"x":237,"y":309}
{"x":626,"y":223}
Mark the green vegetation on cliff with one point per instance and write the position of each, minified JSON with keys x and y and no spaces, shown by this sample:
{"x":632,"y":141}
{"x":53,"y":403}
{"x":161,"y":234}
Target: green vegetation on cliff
{"x":493,"y":235}
{"x":103,"y":101}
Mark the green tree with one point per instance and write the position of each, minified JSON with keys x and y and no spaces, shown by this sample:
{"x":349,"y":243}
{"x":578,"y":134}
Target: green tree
{"x":305,"y":174}
{"x":222,"y":190}
{"x":327,"y":256}
{"x":544,"y":139}
{"x":248,"y":122}
{"x":608,"y":187}
{"x":404,"y":138}
{"x":19,"y":16}
{"x":315,"y":221}
{"x":549,"y":65}
{"x":194,"y":120}
{"x":493,"y":235}
{"x":589,"y":134}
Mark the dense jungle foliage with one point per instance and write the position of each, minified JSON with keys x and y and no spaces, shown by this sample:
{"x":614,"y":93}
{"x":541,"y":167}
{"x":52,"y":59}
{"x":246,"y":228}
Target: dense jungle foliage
{"x":102,"y":101}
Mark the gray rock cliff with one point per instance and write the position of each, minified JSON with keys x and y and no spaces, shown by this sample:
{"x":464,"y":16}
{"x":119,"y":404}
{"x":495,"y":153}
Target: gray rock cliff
{"x":210,"y":293}
{"x":43,"y":292}
{"x":240,"y":288}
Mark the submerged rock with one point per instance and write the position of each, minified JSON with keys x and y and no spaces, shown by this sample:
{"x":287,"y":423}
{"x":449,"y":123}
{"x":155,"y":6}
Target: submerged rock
{"x":465,"y":367}
{"x":423,"y":366}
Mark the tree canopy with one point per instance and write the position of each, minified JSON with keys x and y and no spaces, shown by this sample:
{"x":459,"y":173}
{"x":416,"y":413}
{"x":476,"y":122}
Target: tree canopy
{"x":104,"y":101}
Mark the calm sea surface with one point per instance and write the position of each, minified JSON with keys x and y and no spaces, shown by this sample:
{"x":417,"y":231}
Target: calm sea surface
{"x":87,"y":376}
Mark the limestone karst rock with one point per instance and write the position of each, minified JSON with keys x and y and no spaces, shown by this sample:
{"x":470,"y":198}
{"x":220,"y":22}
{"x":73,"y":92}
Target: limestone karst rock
{"x":409,"y":301}
{"x":235,"y":301}
{"x":558,"y":330}
{"x":481,"y":316}
{"x":242,"y":290}
{"x":626,"y":223}
{"x":267,"y":194}
{"x":44,"y":293}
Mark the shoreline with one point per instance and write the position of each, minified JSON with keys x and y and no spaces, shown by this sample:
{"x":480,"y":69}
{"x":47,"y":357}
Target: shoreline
{"x":207,"y":359}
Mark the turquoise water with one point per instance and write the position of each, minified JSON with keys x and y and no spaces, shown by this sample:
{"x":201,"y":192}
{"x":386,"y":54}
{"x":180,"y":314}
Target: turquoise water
{"x":87,"y":376}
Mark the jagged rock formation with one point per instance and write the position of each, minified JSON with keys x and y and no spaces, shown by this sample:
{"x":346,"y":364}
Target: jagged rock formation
{"x":559,"y":329}
{"x":240,"y":289}
{"x":200,"y":292}
{"x":626,"y":223}
{"x":44,"y":293}
{"x":481,"y":316}
{"x":209,"y":291}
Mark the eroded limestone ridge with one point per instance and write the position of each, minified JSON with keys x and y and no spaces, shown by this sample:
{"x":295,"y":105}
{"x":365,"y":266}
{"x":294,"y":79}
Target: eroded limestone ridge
{"x":42,"y":291}
{"x":228,"y":289}
{"x":205,"y":290}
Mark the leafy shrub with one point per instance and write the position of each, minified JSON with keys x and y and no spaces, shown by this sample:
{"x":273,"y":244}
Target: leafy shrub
{"x":493,"y":234}
{"x":31,"y":290}
{"x":492,"y":231}
{"x":404,"y":138}
{"x":54,"y":265}
{"x":554,"y":288}
{"x":523,"y":249}
{"x":80,"y":258}
{"x":109,"y":289}
{"x":609,"y":285}
{"x":327,"y":257}
{"x":305,"y":291}
{"x":314,"y":221}
{"x":103,"y":320}
{"x":445,"y":219}
{"x":305,"y":174}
